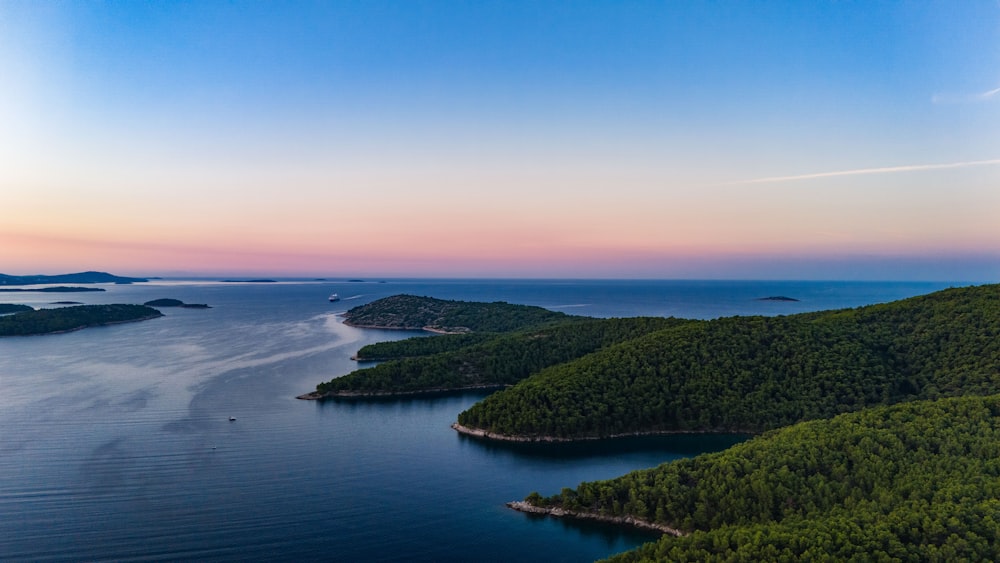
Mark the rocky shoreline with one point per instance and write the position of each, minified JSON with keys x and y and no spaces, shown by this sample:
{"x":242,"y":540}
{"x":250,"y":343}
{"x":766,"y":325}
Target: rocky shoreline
{"x":480,"y":433}
{"x":316,"y":396}
{"x":435,"y":330}
{"x":522,"y":506}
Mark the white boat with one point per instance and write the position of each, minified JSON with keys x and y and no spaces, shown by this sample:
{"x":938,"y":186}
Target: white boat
{"x":232,"y":419}
{"x":334,"y":297}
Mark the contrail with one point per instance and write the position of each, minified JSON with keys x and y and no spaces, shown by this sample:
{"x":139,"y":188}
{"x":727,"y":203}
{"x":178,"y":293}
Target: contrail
{"x":863,"y":171}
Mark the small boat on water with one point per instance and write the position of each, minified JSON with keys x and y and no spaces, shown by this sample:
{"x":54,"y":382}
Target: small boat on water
{"x":334,"y":297}
{"x":232,"y":419}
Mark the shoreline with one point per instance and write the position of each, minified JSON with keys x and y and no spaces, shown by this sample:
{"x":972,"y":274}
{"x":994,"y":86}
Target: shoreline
{"x":414,"y":328}
{"x":522,"y":506}
{"x":317,"y":396}
{"x":486,"y":434}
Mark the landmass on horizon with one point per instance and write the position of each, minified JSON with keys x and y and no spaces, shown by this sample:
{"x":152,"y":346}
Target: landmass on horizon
{"x":79,"y":277}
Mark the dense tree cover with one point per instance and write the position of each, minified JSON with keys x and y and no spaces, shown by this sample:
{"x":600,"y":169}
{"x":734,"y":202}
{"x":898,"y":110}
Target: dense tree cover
{"x":164,"y":303}
{"x":6,"y":308}
{"x":756,"y":373}
{"x":421,"y":346}
{"x":55,"y":289}
{"x":917,"y":481}
{"x":43,"y":321}
{"x":412,"y":312}
{"x":502,"y":359}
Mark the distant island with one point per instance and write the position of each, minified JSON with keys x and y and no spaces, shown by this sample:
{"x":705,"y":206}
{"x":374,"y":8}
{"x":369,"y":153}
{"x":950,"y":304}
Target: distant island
{"x":249,"y":281}
{"x":777,"y":298}
{"x":80,"y":277}
{"x":66,"y":303}
{"x":175,"y":303}
{"x":66,"y":319}
{"x":57,"y":289}
{"x":7,"y":308}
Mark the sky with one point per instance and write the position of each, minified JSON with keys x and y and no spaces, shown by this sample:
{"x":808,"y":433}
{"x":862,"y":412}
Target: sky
{"x":578,"y":139}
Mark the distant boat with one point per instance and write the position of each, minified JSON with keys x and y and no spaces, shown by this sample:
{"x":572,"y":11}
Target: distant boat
{"x":334,"y":297}
{"x":232,"y":419}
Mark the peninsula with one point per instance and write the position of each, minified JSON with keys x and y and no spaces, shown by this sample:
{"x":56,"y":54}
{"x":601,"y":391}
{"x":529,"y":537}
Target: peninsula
{"x":7,"y":308}
{"x":66,"y":319}
{"x":495,"y":346}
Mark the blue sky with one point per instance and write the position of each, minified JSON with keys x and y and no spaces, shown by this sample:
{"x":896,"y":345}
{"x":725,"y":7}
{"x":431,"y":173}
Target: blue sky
{"x":641,"y":139}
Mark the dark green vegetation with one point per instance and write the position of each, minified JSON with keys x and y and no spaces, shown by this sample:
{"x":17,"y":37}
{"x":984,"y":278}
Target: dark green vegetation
{"x":918,"y":481}
{"x":415,"y":313}
{"x":175,"y":303}
{"x":474,"y":360}
{"x":415,"y":347}
{"x":749,"y":374}
{"x":6,"y":308}
{"x":45,"y":321}
{"x":164,"y":303}
{"x":80,"y":277}
{"x":56,"y":289}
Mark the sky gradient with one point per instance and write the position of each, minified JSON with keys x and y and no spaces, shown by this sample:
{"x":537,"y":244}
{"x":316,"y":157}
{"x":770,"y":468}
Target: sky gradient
{"x":748,"y":140}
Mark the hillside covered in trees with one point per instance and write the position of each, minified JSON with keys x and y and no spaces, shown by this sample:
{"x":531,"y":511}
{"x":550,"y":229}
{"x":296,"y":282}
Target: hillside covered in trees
{"x":7,"y":308}
{"x":918,"y":481}
{"x":64,"y":319}
{"x":485,"y":360}
{"x":749,"y":374}
{"x":426,"y":313}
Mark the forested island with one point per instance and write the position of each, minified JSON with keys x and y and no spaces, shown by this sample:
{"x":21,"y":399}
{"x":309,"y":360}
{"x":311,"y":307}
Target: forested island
{"x":878,"y":426}
{"x":167,"y":302}
{"x":65,"y":319}
{"x":79,"y":277}
{"x":56,"y":289}
{"x":409,"y":312}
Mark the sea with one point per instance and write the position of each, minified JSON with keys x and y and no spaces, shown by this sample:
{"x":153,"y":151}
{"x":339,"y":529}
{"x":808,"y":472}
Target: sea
{"x":116,"y":442}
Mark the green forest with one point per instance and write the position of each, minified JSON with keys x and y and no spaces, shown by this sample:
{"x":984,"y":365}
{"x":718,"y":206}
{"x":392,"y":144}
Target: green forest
{"x":918,"y":481}
{"x":415,"y":313}
{"x":878,"y":429}
{"x":63,"y":319}
{"x":483,"y":360}
{"x":750,"y":374}
{"x":6,"y":308}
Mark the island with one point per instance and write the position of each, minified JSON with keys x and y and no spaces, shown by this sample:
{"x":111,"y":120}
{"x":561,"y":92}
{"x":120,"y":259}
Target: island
{"x":410,"y":312}
{"x":876,"y":428}
{"x":250,"y":281}
{"x":776,"y":298}
{"x":56,"y":289}
{"x":66,"y":319}
{"x":175,"y":303}
{"x":66,"y":303}
{"x":79,"y":277}
{"x":8,"y":308}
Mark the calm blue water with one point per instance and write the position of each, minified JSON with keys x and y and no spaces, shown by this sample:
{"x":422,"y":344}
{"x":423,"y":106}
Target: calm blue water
{"x":115,"y":442}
